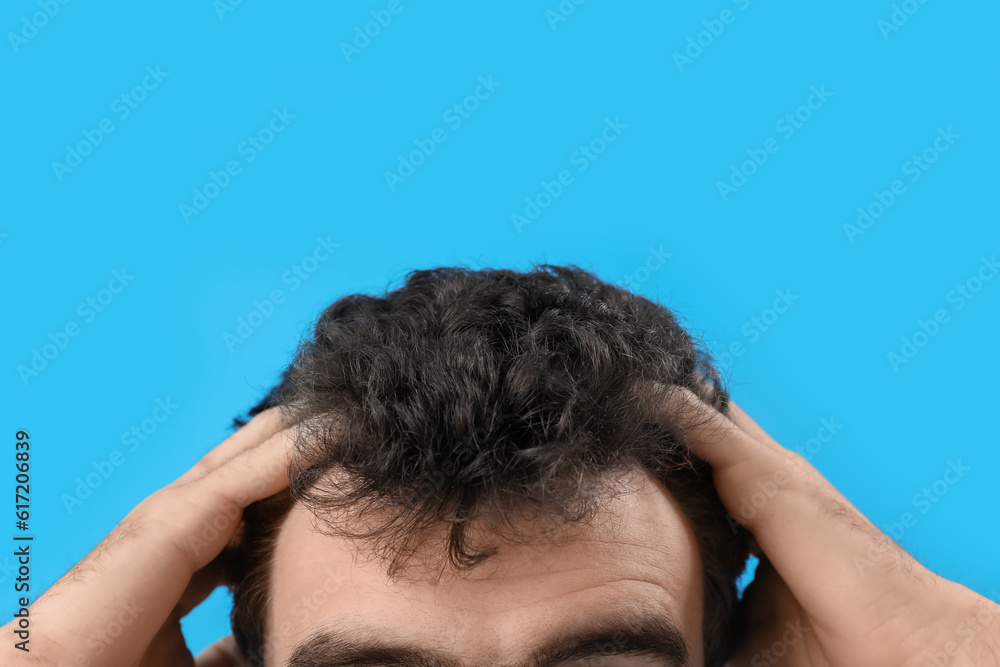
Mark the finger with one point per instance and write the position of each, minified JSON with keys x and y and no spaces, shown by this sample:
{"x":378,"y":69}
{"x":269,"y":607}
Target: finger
{"x":746,"y":423}
{"x":141,"y":571}
{"x":253,"y":474}
{"x":816,"y":539}
{"x":710,"y":435}
{"x":254,"y":433}
{"x":223,"y":653}
{"x":745,"y":460}
{"x":207,"y":511}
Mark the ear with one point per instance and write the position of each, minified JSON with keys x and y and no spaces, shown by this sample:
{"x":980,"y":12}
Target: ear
{"x":223,"y":653}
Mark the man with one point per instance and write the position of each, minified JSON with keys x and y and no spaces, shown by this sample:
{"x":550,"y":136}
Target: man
{"x":494,"y":468}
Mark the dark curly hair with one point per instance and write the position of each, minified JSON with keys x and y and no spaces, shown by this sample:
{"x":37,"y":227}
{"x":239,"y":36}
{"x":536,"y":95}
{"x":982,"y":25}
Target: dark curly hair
{"x":467,"y":395}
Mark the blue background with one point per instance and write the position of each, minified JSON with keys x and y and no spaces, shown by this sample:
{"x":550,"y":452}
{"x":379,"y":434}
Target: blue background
{"x":652,"y":192}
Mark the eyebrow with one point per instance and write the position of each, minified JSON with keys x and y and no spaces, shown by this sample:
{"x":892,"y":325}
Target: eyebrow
{"x":641,"y":633}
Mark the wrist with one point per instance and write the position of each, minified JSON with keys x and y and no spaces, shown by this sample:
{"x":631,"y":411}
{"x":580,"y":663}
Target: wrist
{"x":968,"y":635}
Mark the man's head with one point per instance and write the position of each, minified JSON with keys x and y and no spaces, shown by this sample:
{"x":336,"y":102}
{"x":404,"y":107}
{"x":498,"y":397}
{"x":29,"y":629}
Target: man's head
{"x":483,"y":475}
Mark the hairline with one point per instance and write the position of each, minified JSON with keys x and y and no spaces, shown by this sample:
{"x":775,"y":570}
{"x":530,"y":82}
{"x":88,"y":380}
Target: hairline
{"x":266,"y":589}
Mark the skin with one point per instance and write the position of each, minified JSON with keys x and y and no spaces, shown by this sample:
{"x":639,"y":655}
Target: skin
{"x":639,"y":548}
{"x":161,"y":561}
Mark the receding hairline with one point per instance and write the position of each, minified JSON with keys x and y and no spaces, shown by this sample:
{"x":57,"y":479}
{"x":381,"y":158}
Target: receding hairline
{"x":640,"y":629}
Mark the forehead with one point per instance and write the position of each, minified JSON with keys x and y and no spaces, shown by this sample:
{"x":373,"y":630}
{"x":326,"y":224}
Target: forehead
{"x":637,"y":552}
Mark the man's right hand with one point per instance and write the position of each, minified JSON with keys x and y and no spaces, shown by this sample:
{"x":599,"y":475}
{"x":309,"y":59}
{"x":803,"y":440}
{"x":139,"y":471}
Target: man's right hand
{"x":122,"y":604}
